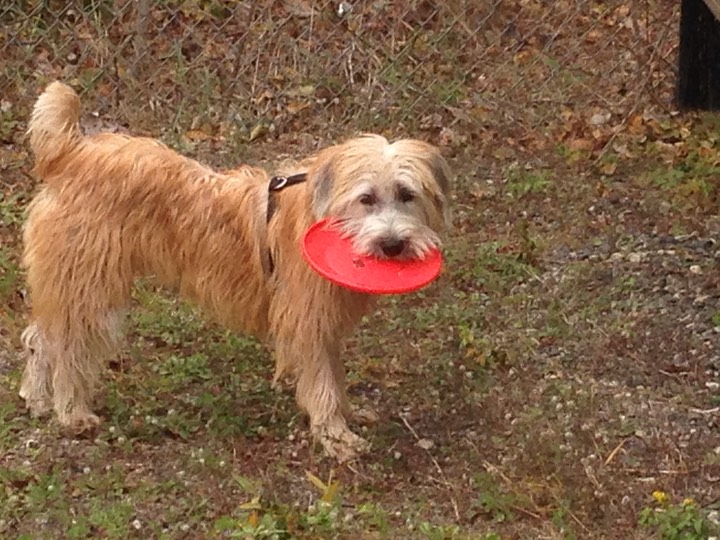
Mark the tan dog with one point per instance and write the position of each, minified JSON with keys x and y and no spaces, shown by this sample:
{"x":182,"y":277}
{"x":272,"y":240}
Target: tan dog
{"x":114,"y":208}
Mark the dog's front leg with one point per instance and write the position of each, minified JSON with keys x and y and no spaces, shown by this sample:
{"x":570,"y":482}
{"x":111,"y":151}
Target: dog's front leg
{"x":320,"y":392}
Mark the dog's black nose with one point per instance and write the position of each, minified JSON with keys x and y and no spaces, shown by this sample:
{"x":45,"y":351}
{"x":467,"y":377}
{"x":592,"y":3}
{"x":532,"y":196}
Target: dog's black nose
{"x":393,"y":247}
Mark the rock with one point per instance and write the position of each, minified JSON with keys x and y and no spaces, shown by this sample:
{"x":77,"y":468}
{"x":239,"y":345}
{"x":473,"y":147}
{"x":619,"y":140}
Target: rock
{"x":425,"y":444}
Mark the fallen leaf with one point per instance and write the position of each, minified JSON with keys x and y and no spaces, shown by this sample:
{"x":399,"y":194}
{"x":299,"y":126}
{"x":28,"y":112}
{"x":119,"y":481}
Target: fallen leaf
{"x":316,"y":481}
{"x":520,"y":57}
{"x":331,"y":491}
{"x":592,"y":36}
{"x":600,"y":118}
{"x":608,"y":168}
{"x":258,"y":131}
{"x":580,"y":144}
{"x":636,"y":125}
{"x":297,"y":106}
{"x":252,"y":504}
{"x":197,"y":135}
{"x":267,"y":95}
{"x":306,"y":90}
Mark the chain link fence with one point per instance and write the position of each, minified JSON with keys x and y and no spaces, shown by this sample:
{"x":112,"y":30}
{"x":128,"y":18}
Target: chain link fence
{"x":235,"y":70}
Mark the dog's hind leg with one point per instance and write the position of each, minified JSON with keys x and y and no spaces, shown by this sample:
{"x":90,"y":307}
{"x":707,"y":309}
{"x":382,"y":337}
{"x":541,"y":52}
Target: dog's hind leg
{"x":77,"y":368}
{"x":36,"y":386}
{"x":79,"y":284}
{"x":63,"y":368}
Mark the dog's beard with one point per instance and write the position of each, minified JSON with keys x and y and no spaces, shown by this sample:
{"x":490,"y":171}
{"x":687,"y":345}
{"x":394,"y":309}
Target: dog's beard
{"x":368,"y":233}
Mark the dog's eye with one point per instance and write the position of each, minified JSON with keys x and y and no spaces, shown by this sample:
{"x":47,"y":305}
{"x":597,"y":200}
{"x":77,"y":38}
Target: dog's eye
{"x":405,"y":195}
{"x":367,"y":200}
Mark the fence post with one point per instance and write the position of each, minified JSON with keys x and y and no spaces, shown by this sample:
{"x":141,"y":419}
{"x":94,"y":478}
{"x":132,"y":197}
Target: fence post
{"x":698,"y":85}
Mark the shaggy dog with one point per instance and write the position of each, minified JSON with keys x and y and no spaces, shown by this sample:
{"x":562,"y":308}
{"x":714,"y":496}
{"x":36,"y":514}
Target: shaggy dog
{"x":114,"y":208}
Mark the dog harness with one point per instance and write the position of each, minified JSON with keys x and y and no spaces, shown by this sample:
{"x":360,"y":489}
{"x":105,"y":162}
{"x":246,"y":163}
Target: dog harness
{"x":278,"y":183}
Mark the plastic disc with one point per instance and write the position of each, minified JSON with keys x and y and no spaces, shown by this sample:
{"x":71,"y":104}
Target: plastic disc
{"x":332,"y":256}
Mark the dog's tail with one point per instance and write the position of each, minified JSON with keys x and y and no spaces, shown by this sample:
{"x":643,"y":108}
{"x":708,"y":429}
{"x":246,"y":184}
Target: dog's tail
{"x":54,"y":125}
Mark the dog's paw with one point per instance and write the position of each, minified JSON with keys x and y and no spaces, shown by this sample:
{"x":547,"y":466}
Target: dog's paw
{"x":343,"y":445}
{"x":38,"y":408}
{"x":79,"y":422}
{"x":36,"y":397}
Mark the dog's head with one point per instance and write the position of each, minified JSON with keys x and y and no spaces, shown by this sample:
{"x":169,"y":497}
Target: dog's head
{"x":390,"y":198}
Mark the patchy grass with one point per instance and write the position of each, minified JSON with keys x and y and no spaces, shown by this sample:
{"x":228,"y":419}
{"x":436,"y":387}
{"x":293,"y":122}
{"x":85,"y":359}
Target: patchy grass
{"x":562,"y":370}
{"x":677,"y":521}
{"x":522,"y":182}
{"x":538,"y":389}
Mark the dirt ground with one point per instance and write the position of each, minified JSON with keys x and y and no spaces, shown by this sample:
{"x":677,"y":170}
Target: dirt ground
{"x":560,"y":380}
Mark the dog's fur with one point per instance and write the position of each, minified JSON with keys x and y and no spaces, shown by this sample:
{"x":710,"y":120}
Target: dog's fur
{"x":114,"y":208}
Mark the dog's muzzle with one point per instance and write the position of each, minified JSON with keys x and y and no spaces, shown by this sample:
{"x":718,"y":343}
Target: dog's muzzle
{"x":392,"y":247}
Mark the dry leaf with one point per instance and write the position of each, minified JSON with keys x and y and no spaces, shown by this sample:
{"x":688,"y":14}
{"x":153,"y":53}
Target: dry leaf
{"x":197,"y":135}
{"x":520,"y":57}
{"x":636,"y":125}
{"x":258,"y":131}
{"x":331,"y":491}
{"x":316,"y":481}
{"x":252,"y":504}
{"x":297,"y":106}
{"x":267,"y":95}
{"x":600,"y":118}
{"x":306,"y":90}
{"x":580,"y":144}
{"x":608,"y":168}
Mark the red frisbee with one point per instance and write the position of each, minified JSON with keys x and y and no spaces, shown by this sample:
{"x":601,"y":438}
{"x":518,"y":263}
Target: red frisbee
{"x":332,"y":256}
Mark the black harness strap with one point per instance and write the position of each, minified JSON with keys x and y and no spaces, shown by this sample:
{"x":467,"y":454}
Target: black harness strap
{"x":278,"y":183}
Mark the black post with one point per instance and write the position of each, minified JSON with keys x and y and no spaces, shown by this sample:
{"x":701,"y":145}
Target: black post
{"x":698,"y":85}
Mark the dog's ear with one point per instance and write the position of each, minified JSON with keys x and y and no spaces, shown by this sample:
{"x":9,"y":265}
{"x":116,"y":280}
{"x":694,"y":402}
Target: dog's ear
{"x":442,"y":174}
{"x":321,"y":185}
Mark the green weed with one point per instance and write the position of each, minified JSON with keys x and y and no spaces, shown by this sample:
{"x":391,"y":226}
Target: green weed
{"x":672,"y":521}
{"x":521,"y":182}
{"x":492,"y":500}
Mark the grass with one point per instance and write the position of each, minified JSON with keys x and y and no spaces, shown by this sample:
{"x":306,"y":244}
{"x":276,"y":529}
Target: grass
{"x":167,"y":389}
{"x":677,"y":521}
{"x":9,"y":272}
{"x":559,"y":371}
{"x":509,"y":366}
{"x":523,"y":182}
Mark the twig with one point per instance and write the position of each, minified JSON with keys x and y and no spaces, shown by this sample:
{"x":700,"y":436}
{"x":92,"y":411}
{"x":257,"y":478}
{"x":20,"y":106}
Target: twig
{"x":417,"y":437}
{"x":437,"y":466}
{"x":526,"y":511}
{"x":705,"y":411}
{"x":673,"y":375}
{"x":489,"y":467}
{"x":493,"y":469}
{"x":576,"y":520}
{"x":651,"y":474}
{"x":615,"y":451}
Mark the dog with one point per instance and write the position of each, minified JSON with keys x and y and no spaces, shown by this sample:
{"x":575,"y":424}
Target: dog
{"x":114,"y":208}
